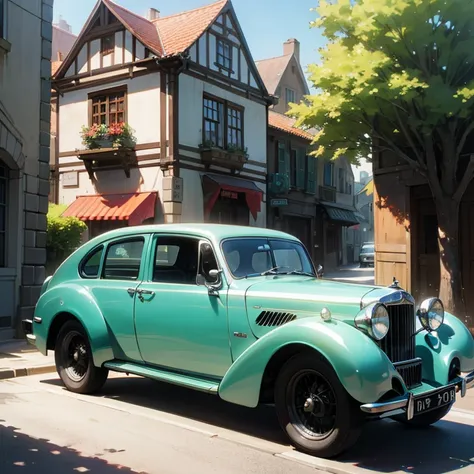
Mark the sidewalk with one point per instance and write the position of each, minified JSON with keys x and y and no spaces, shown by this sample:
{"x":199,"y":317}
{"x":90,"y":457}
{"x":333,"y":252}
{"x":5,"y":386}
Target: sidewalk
{"x":19,"y":359}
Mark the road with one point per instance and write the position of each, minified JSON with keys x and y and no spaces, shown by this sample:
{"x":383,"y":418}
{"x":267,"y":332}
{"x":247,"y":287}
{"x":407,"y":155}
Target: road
{"x":141,"y":426}
{"x":352,"y":274}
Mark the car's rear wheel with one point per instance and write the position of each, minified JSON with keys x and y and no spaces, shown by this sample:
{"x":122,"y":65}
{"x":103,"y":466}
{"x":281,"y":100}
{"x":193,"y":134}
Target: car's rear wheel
{"x":73,"y":357}
{"x":314,"y":409}
{"x":426,"y":419}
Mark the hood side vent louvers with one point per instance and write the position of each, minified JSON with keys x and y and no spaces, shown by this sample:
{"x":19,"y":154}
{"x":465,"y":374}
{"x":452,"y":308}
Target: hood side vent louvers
{"x":274,"y":318}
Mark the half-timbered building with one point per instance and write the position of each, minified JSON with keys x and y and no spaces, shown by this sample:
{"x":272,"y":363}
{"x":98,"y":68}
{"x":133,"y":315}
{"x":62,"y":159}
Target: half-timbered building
{"x":188,"y":87}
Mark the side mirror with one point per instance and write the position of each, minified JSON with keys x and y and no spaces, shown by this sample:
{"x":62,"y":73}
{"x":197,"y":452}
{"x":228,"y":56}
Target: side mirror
{"x":215,"y":286}
{"x":320,"y":271}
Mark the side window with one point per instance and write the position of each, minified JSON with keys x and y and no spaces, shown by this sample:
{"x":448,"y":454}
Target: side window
{"x":176,"y":260}
{"x":123,"y":260}
{"x":90,"y":268}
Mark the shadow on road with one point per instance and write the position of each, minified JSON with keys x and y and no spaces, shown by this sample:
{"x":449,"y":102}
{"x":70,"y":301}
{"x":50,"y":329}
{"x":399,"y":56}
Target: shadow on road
{"x":385,"y":446}
{"x":20,"y":453}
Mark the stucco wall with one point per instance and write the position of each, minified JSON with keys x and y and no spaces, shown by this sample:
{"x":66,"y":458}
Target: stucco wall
{"x":143,"y":112}
{"x":191,"y":92}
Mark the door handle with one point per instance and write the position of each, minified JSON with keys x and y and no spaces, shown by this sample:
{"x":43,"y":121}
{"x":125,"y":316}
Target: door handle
{"x":145,"y":292}
{"x":131,"y":291}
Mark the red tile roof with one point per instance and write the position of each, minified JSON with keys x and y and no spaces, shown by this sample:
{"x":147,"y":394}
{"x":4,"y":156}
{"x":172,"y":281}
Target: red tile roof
{"x":286,"y":124}
{"x":170,"y":35}
{"x":134,"y":208}
{"x":179,"y":32}
{"x":143,"y":29}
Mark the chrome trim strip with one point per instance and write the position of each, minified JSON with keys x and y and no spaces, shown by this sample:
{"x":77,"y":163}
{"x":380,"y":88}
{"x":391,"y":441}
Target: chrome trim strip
{"x":382,"y":407}
{"x":387,"y":296}
{"x":37,"y":319}
{"x":416,"y":360}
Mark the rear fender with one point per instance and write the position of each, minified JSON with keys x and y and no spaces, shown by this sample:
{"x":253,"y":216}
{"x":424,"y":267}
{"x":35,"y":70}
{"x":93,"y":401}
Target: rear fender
{"x":80,"y":303}
{"x":438,"y":349}
{"x":363,"y":369}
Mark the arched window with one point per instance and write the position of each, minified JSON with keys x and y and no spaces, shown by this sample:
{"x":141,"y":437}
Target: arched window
{"x":3,"y":212}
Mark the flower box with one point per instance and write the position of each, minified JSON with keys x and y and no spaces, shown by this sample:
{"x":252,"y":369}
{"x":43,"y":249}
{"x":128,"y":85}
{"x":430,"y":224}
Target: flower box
{"x":231,"y":158}
{"x":115,"y":135}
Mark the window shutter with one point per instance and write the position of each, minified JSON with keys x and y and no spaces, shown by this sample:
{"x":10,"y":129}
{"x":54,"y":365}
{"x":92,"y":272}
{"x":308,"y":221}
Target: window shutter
{"x":300,"y":168}
{"x":312,"y":174}
{"x":283,"y":158}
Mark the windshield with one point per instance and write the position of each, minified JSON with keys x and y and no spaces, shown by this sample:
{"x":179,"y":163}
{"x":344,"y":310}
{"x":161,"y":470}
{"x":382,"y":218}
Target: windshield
{"x":367,"y":249}
{"x":253,"y":257}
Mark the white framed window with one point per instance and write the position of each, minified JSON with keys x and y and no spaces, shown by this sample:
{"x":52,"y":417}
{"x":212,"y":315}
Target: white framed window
{"x":290,"y":96}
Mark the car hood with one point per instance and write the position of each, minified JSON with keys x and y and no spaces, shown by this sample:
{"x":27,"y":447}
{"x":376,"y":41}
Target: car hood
{"x":277,"y":300}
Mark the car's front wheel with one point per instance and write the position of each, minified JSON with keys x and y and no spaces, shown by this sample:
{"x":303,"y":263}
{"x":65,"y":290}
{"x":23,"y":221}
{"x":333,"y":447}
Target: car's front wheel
{"x":426,"y":419}
{"x":314,"y":409}
{"x":73,"y":357}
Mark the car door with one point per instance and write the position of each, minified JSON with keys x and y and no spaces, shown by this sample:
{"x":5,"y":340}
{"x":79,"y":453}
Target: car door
{"x":121,"y":273}
{"x":180,"y":323}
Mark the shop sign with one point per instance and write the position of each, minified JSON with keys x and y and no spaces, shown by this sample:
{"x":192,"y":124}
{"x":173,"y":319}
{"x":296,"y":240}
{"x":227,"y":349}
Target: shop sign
{"x":278,"y":202}
{"x":229,"y":194}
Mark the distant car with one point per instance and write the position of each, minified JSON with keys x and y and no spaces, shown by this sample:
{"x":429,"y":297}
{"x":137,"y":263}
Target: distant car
{"x":241,"y":313}
{"x":367,"y":254}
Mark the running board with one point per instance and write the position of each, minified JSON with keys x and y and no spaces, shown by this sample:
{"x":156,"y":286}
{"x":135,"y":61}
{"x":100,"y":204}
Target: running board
{"x":164,"y":376}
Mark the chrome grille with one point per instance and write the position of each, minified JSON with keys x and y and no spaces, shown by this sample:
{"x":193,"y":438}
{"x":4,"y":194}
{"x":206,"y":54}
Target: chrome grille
{"x":411,"y":372}
{"x":399,"y":343}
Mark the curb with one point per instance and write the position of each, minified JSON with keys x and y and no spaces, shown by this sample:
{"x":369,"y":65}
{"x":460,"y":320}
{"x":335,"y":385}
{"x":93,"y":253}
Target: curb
{"x":6,"y":374}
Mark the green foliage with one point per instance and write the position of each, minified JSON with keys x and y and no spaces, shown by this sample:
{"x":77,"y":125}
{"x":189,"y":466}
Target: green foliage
{"x":63,"y":233}
{"x":397,"y":75}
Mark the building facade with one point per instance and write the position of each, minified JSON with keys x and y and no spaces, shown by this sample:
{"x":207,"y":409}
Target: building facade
{"x":25,"y":93}
{"x":198,"y":108}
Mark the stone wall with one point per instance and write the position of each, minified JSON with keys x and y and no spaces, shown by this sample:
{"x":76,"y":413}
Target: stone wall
{"x":36,"y":185}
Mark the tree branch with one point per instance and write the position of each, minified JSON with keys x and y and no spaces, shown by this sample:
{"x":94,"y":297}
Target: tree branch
{"x":464,"y":137}
{"x":466,"y":179}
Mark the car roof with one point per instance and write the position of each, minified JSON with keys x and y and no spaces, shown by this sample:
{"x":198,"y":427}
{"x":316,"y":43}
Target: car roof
{"x":211,"y":231}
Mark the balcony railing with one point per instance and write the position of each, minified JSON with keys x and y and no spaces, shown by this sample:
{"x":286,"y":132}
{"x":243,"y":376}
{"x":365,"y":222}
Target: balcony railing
{"x":327,"y":194}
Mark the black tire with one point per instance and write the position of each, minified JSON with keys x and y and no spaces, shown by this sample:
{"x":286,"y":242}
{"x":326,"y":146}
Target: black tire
{"x":73,"y":357}
{"x":342,"y":425}
{"x":425,"y":420}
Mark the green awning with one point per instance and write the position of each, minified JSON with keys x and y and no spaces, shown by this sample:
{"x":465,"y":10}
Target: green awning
{"x":341,"y":214}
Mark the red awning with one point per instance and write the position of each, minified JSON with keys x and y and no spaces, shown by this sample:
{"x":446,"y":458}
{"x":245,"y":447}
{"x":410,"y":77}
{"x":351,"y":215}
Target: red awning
{"x":214,"y":184}
{"x":134,"y":208}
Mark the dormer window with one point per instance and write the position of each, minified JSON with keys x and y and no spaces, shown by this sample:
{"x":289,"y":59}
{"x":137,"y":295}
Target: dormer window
{"x":224,"y":55}
{"x":107,"y":45}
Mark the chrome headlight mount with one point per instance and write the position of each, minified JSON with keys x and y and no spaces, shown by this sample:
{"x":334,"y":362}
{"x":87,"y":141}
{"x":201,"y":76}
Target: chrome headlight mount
{"x":431,"y":314}
{"x":374,"y":320}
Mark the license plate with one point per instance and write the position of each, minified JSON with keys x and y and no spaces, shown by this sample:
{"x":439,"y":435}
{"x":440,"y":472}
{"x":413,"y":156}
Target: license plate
{"x":427,"y":403}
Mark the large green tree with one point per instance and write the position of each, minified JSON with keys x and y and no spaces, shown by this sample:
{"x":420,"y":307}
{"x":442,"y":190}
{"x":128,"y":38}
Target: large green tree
{"x":397,"y":76}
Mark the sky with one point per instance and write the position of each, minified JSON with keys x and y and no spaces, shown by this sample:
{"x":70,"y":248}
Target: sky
{"x":266,"y":24}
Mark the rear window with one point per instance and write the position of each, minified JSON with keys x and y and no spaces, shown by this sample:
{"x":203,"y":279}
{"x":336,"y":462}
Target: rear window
{"x":91,"y":266}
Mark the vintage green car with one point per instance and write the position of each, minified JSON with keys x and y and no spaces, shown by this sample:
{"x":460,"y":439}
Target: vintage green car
{"x":241,"y":313}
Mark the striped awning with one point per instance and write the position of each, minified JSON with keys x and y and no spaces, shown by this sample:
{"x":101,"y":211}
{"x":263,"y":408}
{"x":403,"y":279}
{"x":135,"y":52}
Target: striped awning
{"x":134,"y":208}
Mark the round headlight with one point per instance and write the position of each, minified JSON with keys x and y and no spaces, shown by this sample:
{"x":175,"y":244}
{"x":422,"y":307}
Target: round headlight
{"x":431,"y":314}
{"x":374,"y":320}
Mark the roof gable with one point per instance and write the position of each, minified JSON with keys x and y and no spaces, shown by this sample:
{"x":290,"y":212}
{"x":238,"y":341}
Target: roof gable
{"x":167,"y":36}
{"x":272,"y":71}
{"x":287,"y":124}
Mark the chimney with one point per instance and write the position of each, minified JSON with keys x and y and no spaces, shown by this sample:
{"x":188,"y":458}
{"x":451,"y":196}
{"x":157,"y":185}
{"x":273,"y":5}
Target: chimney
{"x":153,"y":14}
{"x":292,"y":46}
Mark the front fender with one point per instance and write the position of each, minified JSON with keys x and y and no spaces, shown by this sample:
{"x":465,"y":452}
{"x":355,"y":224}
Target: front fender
{"x":80,"y":303}
{"x":363,"y":369}
{"x":452,"y":340}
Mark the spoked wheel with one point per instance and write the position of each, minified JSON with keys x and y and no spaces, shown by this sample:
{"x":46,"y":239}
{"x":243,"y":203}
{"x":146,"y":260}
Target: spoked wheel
{"x":74,"y":362}
{"x":314,"y":409}
{"x":312,"y":406}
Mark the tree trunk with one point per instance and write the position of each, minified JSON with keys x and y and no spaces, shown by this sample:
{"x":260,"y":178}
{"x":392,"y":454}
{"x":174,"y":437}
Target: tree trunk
{"x":451,"y":291}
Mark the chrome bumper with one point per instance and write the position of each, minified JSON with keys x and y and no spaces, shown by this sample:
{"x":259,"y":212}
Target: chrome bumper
{"x":405,"y":403}
{"x":27,"y":325}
